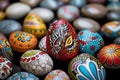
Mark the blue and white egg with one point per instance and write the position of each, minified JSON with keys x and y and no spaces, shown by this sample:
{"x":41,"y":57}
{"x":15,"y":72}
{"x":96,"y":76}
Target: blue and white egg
{"x":86,"y":67}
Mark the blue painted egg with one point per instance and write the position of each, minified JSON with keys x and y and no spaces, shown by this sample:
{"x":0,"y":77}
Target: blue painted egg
{"x":89,"y":41}
{"x":78,"y":3}
{"x":111,"y":29}
{"x":50,"y":4}
{"x":8,"y":26}
{"x":23,"y":76}
{"x":86,"y":67}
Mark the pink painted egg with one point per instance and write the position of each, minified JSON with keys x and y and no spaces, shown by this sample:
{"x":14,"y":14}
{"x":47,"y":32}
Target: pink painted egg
{"x":61,"y":41}
{"x":36,"y":62}
{"x":57,"y":75}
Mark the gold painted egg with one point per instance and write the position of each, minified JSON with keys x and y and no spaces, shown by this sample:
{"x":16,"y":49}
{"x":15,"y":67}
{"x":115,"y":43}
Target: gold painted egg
{"x":2,"y":15}
{"x":34,"y":25}
{"x":22,"y":41}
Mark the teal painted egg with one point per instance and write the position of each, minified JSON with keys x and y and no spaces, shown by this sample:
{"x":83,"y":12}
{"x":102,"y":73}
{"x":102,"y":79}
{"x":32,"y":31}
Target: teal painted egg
{"x":23,"y":76}
{"x":86,"y":67}
{"x":78,"y":3}
{"x":90,"y":42}
{"x":8,"y":26}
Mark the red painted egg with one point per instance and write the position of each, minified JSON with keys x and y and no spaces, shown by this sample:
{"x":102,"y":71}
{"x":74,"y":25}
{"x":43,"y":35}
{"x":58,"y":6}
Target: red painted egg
{"x":61,"y":41}
{"x":109,"y":56}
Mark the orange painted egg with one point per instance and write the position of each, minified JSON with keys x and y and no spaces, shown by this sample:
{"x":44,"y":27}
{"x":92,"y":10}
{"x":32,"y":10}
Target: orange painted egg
{"x":22,"y":41}
{"x":34,"y":25}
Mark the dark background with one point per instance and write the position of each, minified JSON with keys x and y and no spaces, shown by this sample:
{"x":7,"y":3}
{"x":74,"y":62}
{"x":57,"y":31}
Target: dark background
{"x":111,"y":74}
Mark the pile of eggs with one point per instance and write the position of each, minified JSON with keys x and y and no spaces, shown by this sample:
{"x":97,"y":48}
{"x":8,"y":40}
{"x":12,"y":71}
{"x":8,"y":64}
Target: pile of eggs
{"x":59,"y":39}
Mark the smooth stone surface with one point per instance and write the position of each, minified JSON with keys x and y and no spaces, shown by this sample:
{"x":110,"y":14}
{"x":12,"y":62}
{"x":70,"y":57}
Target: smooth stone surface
{"x":17,"y":10}
{"x":2,"y":15}
{"x":8,"y":26}
{"x":93,"y":10}
{"x":114,"y":15}
{"x":46,"y":14}
{"x":31,"y":3}
{"x":4,"y":4}
{"x":50,"y":4}
{"x":78,"y":3}
{"x":117,"y":40}
{"x":86,"y":23}
{"x":96,"y":1}
{"x":68,"y":12}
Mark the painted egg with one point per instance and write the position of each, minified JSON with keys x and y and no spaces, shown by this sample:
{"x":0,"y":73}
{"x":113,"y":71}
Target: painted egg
{"x":96,"y":1}
{"x":42,"y":44}
{"x":117,"y":41}
{"x":2,"y":15}
{"x":68,"y":12}
{"x":46,"y":14}
{"x":5,"y":68}
{"x":51,"y":4}
{"x":94,"y":10}
{"x":89,"y":41}
{"x":23,"y":76}
{"x":113,"y":5}
{"x":5,"y":47}
{"x":109,"y":56}
{"x":4,"y":4}
{"x":114,"y":15}
{"x":36,"y":62}
{"x":86,"y":23}
{"x":9,"y":26}
{"x":15,"y":12}
{"x":61,"y":40}
{"x":78,"y":3}
{"x":86,"y":67}
{"x":22,"y":41}
{"x":31,"y":3}
{"x":57,"y":75}
{"x":33,"y":24}
{"x":111,"y":29}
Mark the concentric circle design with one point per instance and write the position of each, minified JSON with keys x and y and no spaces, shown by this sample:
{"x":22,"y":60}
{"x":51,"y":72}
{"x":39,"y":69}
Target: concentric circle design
{"x":109,"y":56}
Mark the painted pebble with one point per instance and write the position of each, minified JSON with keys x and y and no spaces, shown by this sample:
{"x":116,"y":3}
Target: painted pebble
{"x":22,"y":41}
{"x":109,"y":56}
{"x":36,"y":62}
{"x":61,"y":41}
{"x":22,"y":76}
{"x":57,"y":75}
{"x":33,"y":24}
{"x":5,"y":68}
{"x":86,"y":67}
{"x":90,"y":42}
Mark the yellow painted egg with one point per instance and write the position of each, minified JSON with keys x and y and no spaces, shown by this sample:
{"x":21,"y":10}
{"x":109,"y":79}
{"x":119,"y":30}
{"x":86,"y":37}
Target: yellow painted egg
{"x":22,"y":41}
{"x":2,"y":15}
{"x":34,"y":25}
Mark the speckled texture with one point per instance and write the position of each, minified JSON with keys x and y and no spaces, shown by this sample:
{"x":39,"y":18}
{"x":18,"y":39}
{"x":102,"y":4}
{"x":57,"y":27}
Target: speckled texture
{"x":5,"y":68}
{"x":36,"y":62}
{"x":90,"y":42}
